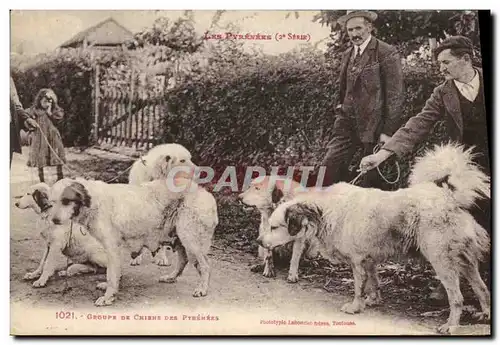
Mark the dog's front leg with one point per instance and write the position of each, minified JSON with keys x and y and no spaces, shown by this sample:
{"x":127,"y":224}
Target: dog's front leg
{"x":161,"y":258}
{"x":268,"y":264}
{"x":113,"y":273}
{"x":36,"y":273}
{"x":52,"y":264}
{"x":358,"y":304}
{"x":298,"y":248}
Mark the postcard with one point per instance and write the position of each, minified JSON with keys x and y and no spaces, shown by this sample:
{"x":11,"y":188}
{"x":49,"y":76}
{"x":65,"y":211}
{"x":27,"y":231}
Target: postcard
{"x":307,"y":173}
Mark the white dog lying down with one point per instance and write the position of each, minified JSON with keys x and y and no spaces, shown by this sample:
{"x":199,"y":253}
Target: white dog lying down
{"x":366,"y":226}
{"x":63,"y":244}
{"x":265,"y":194}
{"x":141,"y":216}
{"x":155,"y":165}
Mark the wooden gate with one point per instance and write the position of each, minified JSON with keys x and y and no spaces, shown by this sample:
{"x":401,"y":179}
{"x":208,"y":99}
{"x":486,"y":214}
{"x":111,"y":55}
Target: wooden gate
{"x":130,"y":118}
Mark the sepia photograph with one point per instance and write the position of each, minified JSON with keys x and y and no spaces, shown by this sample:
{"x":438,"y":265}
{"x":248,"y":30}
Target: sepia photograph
{"x":251,"y":172}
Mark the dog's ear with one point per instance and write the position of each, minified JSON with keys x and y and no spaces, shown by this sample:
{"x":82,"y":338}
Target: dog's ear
{"x":276,"y":195}
{"x":41,"y":199}
{"x":296,"y":219}
{"x":77,"y":193}
{"x":299,"y":215}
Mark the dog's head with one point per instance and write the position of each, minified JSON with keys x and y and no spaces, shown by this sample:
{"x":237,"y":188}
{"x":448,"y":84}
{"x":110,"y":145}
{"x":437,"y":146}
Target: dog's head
{"x":265,"y":193}
{"x":291,"y":220}
{"x":168,"y":156}
{"x":70,"y":202}
{"x":262,"y":194}
{"x":37,"y":198}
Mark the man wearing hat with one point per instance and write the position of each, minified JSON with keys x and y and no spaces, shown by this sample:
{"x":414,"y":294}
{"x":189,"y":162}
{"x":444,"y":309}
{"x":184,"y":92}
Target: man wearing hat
{"x":371,"y":97}
{"x":459,"y":101}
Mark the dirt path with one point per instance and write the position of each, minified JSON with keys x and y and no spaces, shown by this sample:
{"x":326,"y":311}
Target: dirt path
{"x":239,"y":302}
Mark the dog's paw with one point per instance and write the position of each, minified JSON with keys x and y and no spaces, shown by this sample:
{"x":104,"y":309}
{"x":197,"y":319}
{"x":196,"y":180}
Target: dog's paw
{"x":104,"y":300}
{"x":351,"y":308}
{"x":162,"y":260}
{"x":31,"y":275}
{"x":199,"y":292}
{"x":168,"y":279}
{"x":257,"y":268}
{"x":373,"y":300}
{"x":269,"y":271}
{"x":137,"y":261}
{"x":292,"y":278}
{"x":444,"y":329}
{"x":102,"y":286}
{"x":482,"y":316}
{"x":39,"y":283}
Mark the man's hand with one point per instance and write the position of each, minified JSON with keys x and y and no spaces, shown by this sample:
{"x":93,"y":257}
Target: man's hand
{"x":384,"y":138}
{"x":372,"y":161}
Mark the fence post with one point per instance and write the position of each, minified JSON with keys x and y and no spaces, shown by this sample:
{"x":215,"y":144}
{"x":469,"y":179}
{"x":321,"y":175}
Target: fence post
{"x":130,"y":118}
{"x":96,"y":102}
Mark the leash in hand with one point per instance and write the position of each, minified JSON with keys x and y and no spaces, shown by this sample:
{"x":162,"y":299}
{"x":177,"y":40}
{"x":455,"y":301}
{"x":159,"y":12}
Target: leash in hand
{"x":363,"y":172}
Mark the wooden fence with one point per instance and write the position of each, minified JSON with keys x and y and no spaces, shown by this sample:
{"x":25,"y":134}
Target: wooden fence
{"x":133,"y":121}
{"x":127,"y":118}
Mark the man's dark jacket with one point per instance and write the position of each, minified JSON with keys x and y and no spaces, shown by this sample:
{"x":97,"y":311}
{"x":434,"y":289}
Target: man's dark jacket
{"x":376,"y":99}
{"x":443,"y":104}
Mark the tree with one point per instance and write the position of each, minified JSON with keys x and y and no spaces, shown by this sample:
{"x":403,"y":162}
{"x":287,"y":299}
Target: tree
{"x":407,"y":29}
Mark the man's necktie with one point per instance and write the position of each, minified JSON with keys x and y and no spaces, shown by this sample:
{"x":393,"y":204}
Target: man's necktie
{"x":357,"y":56}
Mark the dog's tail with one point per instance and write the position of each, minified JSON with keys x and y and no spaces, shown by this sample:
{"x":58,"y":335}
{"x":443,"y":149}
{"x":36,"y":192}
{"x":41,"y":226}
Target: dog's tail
{"x":452,"y":166}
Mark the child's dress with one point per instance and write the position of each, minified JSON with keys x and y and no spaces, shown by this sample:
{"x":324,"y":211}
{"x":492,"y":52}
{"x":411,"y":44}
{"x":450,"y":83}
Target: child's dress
{"x":41,"y":154}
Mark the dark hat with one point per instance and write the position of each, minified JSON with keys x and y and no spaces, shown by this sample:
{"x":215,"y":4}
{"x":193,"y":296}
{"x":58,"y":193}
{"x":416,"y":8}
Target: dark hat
{"x":371,"y":16}
{"x":455,"y":42}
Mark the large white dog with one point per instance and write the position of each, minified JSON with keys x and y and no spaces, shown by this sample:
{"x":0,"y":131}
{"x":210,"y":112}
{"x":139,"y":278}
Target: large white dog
{"x":68,"y":250}
{"x":141,"y":216}
{"x":157,"y":164}
{"x":366,"y":225}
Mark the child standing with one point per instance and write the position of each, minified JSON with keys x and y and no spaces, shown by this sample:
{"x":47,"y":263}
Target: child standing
{"x":46,"y":111}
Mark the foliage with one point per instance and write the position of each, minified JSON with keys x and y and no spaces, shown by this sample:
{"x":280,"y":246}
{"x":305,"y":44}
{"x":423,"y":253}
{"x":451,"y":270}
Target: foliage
{"x":407,"y":29}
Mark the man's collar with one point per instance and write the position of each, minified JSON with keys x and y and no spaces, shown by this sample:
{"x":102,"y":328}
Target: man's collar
{"x":474,"y":82}
{"x":363,"y":46}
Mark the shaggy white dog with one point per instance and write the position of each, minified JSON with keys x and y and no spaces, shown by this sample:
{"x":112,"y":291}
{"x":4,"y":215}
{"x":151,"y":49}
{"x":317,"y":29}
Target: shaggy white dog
{"x":366,"y":225}
{"x":265,"y":194}
{"x":64,"y":244}
{"x":141,"y":216}
{"x":156,"y":164}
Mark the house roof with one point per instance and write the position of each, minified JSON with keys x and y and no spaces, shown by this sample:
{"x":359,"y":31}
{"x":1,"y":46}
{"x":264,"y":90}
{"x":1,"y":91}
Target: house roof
{"x":107,"y":32}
